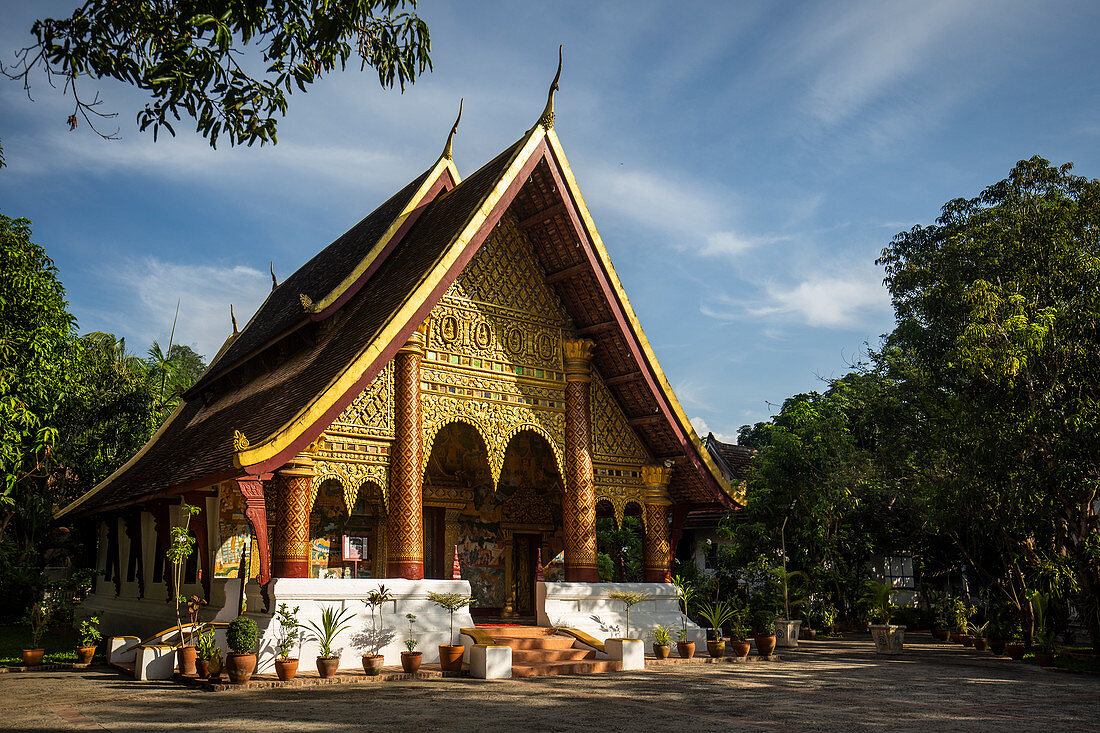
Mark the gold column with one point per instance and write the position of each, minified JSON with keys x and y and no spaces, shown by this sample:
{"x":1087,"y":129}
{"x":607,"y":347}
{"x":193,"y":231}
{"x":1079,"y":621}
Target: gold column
{"x":290,"y":553}
{"x":405,"y":524}
{"x":657,"y":561}
{"x":579,"y":501}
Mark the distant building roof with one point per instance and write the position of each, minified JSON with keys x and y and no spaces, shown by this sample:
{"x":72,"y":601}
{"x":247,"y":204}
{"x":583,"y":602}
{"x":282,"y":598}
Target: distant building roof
{"x":733,"y":459}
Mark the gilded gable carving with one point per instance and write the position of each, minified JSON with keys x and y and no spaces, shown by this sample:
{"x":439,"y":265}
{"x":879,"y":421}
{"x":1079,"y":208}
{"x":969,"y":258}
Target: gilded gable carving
{"x":371,"y":413}
{"x":614,"y":440}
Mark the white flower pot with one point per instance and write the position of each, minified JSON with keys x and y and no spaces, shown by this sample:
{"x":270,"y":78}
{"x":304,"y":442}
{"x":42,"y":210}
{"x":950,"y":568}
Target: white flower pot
{"x":786,"y":633}
{"x":888,"y":639}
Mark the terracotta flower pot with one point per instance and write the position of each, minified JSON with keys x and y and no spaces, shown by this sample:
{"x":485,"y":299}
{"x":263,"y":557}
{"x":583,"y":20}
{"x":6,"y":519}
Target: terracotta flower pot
{"x":739,"y":649}
{"x":327,"y":666}
{"x":955,"y":637}
{"x":410,"y":661}
{"x":661,"y":651}
{"x":716,"y":648}
{"x":286,"y":669}
{"x":186,"y":656}
{"x":686,"y":649}
{"x":203,"y":667}
{"x":33,"y":657}
{"x":84,"y":654}
{"x":373,"y":663}
{"x":980,"y":644}
{"x":997,"y":647}
{"x":966,"y":639}
{"x":240,"y":667}
{"x":1016,"y":651}
{"x":450,"y":657}
{"x":765,"y":645}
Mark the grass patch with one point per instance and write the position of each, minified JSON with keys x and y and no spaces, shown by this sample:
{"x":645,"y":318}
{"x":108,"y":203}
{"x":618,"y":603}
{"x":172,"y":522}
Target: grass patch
{"x":60,"y":646}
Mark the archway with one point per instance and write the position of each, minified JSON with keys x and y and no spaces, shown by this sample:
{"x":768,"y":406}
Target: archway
{"x":620,"y":549}
{"x":327,"y":521}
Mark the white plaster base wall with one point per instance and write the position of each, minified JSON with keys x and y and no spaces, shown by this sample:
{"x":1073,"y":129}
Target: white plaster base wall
{"x":585,"y":606}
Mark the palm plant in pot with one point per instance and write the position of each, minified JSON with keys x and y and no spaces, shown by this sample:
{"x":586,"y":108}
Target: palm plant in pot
{"x":716,"y":614}
{"x":37,"y":618}
{"x":686,"y":592}
{"x":888,"y":639}
{"x":241,"y":638}
{"x":334,"y":621}
{"x":787,"y":627}
{"x":739,"y":644}
{"x":662,"y":642}
{"x":978,"y":634}
{"x":376,"y":599}
{"x":411,"y":658}
{"x":288,"y":642}
{"x":90,"y":636}
{"x":450,"y":655}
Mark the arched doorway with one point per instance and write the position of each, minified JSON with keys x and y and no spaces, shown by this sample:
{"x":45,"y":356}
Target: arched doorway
{"x":327,"y":520}
{"x":620,"y":548}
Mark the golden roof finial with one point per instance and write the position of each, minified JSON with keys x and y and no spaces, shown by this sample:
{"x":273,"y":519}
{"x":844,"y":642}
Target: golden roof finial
{"x":233,"y":318}
{"x":547,"y":119}
{"x":447,"y":151}
{"x":274,"y":280}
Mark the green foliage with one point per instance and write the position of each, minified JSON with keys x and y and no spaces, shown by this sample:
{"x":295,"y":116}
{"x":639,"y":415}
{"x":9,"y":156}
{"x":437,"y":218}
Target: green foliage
{"x":620,"y":549}
{"x":1044,"y":634}
{"x":961,"y":613}
{"x":661,"y":636}
{"x":411,"y":643}
{"x":687,"y":593}
{"x":877,"y":598}
{"x":207,"y":646}
{"x":717,"y":614}
{"x":628,"y":598}
{"x":334,"y":621}
{"x":241,"y":635}
{"x":290,"y":631}
{"x":37,"y":619}
{"x":374,"y":601}
{"x":88,"y":631}
{"x":451,"y":602}
{"x":228,"y":65}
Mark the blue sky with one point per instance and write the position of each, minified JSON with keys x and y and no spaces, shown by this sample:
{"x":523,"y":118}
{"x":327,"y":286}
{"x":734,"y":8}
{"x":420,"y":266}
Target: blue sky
{"x":745,"y":163}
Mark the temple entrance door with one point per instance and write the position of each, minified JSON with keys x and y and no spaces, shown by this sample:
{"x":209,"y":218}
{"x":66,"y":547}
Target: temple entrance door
{"x":524,"y":556}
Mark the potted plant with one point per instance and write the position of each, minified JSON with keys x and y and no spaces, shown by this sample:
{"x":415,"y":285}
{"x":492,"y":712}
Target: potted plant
{"x":289,"y":641}
{"x":662,"y":642}
{"x":241,"y":639}
{"x":717,"y":615}
{"x":786,"y":628}
{"x":450,"y":655}
{"x":627,"y":598}
{"x":739,"y":645}
{"x":1004,"y":625}
{"x":37,"y":618}
{"x":90,"y":636}
{"x":373,"y":663}
{"x":334,"y":621}
{"x":180,"y":546}
{"x":209,"y":655}
{"x":977,"y":633}
{"x":961,"y":613}
{"x":686,"y":593}
{"x":1044,"y":635}
{"x":888,"y":639}
{"x":411,"y":658}
{"x":763,"y":630}
{"x":941,"y":615}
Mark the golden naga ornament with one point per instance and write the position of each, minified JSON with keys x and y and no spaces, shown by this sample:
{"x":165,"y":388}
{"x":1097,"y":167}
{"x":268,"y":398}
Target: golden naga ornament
{"x":240,"y":442}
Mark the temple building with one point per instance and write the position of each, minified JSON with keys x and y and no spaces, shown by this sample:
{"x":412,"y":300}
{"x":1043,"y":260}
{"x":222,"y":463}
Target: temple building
{"x":460,"y":373}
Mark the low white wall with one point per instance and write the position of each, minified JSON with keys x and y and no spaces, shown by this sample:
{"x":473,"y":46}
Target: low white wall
{"x":585,"y":606}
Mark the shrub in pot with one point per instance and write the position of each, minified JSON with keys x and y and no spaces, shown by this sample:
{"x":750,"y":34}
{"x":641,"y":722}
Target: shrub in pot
{"x":376,"y":599}
{"x":241,"y":638}
{"x":739,"y":645}
{"x":716,"y":614}
{"x":961,"y":612}
{"x":37,"y":618}
{"x":334,"y":621}
{"x":209,"y":661}
{"x":450,"y":655}
{"x":288,"y":642}
{"x":662,"y":642}
{"x":889,"y":639}
{"x":90,"y":636}
{"x":411,"y":658}
{"x":763,"y":631}
{"x":684,"y":648}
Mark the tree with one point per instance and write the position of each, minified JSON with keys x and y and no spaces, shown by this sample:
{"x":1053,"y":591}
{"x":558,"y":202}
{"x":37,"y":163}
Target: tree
{"x":998,"y":310}
{"x":36,"y":341}
{"x":190,"y":56}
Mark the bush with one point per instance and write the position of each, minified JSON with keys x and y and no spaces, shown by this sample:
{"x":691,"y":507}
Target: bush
{"x":241,"y":635}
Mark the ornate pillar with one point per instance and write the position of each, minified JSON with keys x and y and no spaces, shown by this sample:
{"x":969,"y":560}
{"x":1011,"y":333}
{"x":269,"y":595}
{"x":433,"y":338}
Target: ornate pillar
{"x":252,"y":489}
{"x":657,"y":562}
{"x":579,"y":501}
{"x":290,"y":549}
{"x":405,"y":524}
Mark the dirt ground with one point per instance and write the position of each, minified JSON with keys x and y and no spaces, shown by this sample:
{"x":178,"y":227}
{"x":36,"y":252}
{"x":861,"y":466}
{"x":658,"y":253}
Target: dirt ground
{"x":825,"y":685}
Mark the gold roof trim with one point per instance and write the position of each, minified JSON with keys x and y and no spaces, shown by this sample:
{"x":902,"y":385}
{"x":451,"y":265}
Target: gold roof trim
{"x":448,"y":149}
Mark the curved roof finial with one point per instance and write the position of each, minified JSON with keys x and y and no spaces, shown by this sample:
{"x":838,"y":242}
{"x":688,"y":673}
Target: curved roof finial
{"x":447,"y":151}
{"x":274,"y":280}
{"x":547,"y":119}
{"x":234,"y":319}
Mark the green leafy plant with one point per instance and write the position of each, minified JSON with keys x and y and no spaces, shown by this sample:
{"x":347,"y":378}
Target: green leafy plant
{"x":738,"y":620}
{"x":451,"y":602}
{"x":716,"y":614}
{"x":978,"y":632}
{"x":1044,"y":635}
{"x":374,"y":601}
{"x":88,"y":631}
{"x":628,"y":598}
{"x":792,"y":596}
{"x":876,"y":597}
{"x":682,"y":634}
{"x":334,"y":621}
{"x":687,"y":593}
{"x":412,"y":642}
{"x":661,"y":636}
{"x":207,"y":645}
{"x":180,"y":546}
{"x":37,"y":618}
{"x":961,"y":612}
{"x":290,"y":631}
{"x":241,"y":635}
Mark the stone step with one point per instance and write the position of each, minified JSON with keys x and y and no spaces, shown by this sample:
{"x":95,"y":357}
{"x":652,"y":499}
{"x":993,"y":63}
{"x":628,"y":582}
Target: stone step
{"x":539,"y":656}
{"x":515,"y":631}
{"x":588,"y":666}
{"x":534,"y":642}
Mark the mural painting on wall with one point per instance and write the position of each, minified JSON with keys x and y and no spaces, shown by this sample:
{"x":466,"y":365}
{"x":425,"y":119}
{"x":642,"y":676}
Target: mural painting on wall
{"x":235,"y":533}
{"x":326,"y":529}
{"x":481,"y":555}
